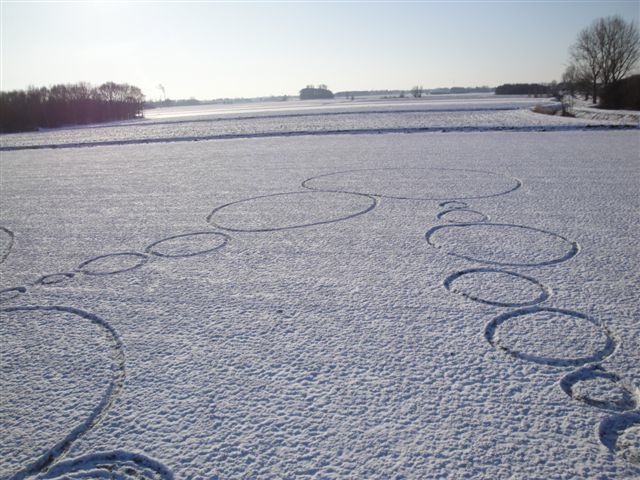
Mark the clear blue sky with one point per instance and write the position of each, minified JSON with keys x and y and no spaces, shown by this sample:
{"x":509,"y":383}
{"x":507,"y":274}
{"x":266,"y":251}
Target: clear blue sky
{"x":210,"y":50}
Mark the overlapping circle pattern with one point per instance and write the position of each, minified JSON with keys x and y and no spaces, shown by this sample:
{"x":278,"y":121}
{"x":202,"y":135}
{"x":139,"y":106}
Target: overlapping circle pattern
{"x":619,"y":432}
{"x":117,"y":464}
{"x":115,"y":384}
{"x":123,"y":464}
{"x":344,"y":188}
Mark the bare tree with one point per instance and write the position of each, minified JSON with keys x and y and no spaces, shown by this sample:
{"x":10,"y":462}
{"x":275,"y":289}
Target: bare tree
{"x":586,"y":54}
{"x":622,"y":48}
{"x":577,"y":81}
{"x":606,"y":51}
{"x":417,"y":91}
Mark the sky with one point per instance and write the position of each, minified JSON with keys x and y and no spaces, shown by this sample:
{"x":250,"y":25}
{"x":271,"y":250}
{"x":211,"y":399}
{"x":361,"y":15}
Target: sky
{"x":212,"y":50}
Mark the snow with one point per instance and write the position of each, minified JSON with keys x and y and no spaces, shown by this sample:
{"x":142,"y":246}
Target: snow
{"x":212,"y":122}
{"x":627,"y":116}
{"x":341,"y":105}
{"x":302,"y":307}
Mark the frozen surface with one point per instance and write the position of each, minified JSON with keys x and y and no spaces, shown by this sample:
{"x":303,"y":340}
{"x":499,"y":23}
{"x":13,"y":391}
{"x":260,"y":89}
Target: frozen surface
{"x":477,"y":113}
{"x":191,"y":310}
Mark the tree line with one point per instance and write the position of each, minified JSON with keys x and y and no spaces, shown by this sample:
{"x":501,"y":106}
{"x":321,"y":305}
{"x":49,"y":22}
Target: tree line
{"x":70,"y":104}
{"x":531,"y":89}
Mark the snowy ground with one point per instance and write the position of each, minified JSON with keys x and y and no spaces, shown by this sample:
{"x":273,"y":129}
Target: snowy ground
{"x":444,"y":113}
{"x":460,"y":305}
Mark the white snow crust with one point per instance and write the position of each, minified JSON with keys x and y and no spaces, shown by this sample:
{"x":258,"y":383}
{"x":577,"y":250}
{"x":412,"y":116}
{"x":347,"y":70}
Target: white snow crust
{"x":433,"y":305}
{"x":209,"y":122}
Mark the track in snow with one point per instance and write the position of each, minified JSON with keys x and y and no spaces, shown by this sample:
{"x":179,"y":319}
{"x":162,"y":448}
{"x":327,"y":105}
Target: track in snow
{"x":57,"y":451}
{"x":290,"y":210}
{"x":522,"y":246}
{"x":188,"y":244}
{"x":487,"y":278}
{"x":597,"y":387}
{"x":55,"y":279}
{"x":502,"y":322}
{"x":413,"y":183}
{"x":462,"y":215}
{"x":6,"y":243}
{"x":112,"y":263}
{"x":621,"y":434}
{"x":7,"y":294}
{"x":121,"y":465}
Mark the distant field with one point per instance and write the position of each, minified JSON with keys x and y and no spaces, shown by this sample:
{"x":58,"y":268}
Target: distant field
{"x":438,"y":113}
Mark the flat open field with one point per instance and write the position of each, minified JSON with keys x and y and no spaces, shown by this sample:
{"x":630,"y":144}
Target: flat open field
{"x":308,"y":298}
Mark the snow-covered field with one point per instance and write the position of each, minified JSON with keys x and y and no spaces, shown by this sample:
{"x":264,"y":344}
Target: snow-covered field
{"x":427,"y":305}
{"x":441,"y":113}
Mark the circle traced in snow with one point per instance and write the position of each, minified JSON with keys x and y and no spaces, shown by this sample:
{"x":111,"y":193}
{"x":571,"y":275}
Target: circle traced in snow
{"x":597,"y":387}
{"x":55,"y":278}
{"x":282,"y":211}
{"x":551,"y":336}
{"x":416,"y":183}
{"x":502,"y":244}
{"x":66,"y":366}
{"x":113,"y":263}
{"x":629,"y":444}
{"x":188,"y":244}
{"x":117,"y":464}
{"x":454,"y":204}
{"x":6,"y":243}
{"x":621,"y":434}
{"x":497,"y":287}
{"x":7,"y":294}
{"x":462,"y":215}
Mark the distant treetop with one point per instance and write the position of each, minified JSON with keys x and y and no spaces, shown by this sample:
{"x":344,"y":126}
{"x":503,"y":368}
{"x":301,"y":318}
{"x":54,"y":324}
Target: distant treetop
{"x":523,"y":89}
{"x":312,"y":93}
